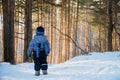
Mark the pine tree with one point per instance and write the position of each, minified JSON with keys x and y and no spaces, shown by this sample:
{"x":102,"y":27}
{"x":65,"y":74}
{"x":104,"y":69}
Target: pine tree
{"x":8,"y":30}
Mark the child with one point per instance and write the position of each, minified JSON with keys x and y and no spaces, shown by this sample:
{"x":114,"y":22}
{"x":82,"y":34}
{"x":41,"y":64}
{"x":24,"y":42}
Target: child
{"x":39,"y":45}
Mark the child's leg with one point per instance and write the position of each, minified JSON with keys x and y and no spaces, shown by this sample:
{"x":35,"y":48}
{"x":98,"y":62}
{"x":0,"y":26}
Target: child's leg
{"x":37,"y":66}
{"x":43,"y":61}
{"x":44,"y":66}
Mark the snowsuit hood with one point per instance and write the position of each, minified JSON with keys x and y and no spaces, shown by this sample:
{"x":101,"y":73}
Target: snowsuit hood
{"x":40,"y":31}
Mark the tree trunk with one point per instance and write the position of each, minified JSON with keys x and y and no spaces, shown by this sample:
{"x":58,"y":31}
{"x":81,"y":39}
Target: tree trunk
{"x":110,"y":27}
{"x":99,"y":29}
{"x":8,"y":25}
{"x":60,"y":37}
{"x":51,"y":21}
{"x":11,"y":28}
{"x":28,"y":26}
{"x":49,"y":36}
{"x":76,"y":31}
{"x":69,"y":28}
{"x":11,"y":24}
{"x":115,"y":33}
{"x":86,"y":33}
{"x":6,"y":30}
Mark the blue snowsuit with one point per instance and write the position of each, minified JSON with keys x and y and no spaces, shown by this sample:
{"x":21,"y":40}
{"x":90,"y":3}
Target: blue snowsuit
{"x":39,"y":57}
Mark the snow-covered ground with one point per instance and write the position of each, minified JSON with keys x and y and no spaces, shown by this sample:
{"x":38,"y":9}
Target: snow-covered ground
{"x":97,"y":66}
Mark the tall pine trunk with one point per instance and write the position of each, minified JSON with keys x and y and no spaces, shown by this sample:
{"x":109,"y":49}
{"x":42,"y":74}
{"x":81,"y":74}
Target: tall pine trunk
{"x":5,"y":30}
{"x":8,"y":30}
{"x":11,"y":28}
{"x":28,"y":26}
{"x":110,"y":27}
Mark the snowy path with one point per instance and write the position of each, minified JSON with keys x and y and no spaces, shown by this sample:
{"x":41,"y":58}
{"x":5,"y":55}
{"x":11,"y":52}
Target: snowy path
{"x":105,"y":66}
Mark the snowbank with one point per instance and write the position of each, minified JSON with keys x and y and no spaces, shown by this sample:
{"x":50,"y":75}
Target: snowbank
{"x":97,"y":66}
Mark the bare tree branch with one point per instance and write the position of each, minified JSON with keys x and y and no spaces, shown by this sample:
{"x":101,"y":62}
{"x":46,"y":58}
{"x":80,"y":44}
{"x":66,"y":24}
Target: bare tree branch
{"x":70,"y":39}
{"x":19,"y":38}
{"x":116,"y":31}
{"x":18,"y":33}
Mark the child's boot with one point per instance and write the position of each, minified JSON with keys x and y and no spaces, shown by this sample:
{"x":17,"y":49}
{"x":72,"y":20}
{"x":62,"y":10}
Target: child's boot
{"x":44,"y":72}
{"x":37,"y":73}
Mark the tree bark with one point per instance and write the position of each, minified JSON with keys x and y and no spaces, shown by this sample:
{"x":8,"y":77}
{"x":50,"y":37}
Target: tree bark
{"x":11,"y":25}
{"x":28,"y":27}
{"x":8,"y":26}
{"x":5,"y":30}
{"x":86,"y":33}
{"x":110,"y":27}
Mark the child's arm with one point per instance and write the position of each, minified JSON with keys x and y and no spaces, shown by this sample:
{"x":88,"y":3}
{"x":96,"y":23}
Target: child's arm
{"x":47,"y":48}
{"x":30,"y":48}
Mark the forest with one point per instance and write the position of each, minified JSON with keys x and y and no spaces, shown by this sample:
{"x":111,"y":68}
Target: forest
{"x":73,"y":27}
